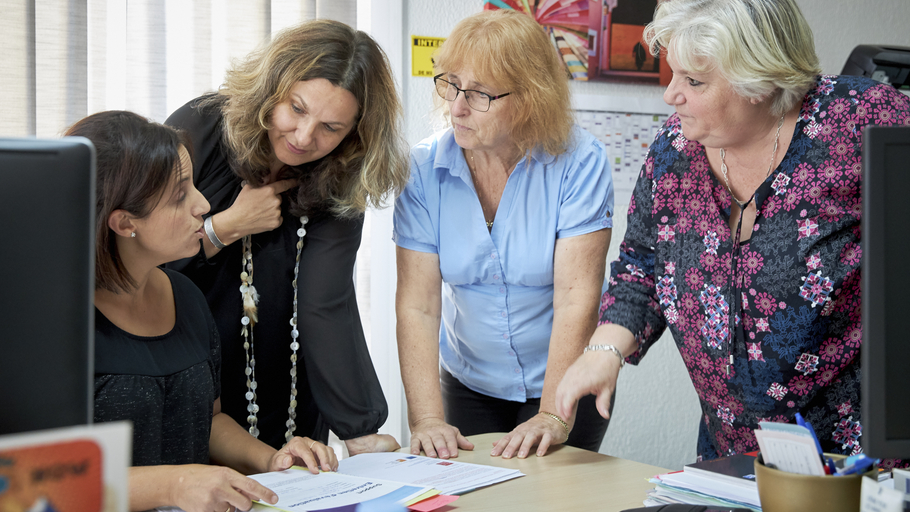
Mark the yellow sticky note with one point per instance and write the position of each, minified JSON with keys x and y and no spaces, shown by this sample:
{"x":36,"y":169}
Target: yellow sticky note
{"x":422,"y":50}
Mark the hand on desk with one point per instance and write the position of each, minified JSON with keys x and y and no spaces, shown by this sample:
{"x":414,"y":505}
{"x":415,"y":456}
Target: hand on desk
{"x":541,"y":431}
{"x":303,"y":451}
{"x":437,"y":438}
{"x":372,"y":443}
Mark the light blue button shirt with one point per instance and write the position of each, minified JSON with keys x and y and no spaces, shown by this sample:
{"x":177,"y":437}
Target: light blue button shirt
{"x":497,"y":303}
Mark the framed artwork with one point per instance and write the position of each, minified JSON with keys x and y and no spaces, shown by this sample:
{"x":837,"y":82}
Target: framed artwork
{"x":599,"y":40}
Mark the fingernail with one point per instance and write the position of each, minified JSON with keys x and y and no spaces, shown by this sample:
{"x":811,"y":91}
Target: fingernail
{"x":286,"y":461}
{"x":274,"y":499}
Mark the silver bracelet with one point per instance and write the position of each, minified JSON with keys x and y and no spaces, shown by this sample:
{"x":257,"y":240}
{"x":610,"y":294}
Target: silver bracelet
{"x":611,"y":348}
{"x":210,"y":231}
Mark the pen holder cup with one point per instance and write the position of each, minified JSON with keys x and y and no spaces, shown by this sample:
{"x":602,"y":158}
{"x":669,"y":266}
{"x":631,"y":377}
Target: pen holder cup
{"x":780,"y":491}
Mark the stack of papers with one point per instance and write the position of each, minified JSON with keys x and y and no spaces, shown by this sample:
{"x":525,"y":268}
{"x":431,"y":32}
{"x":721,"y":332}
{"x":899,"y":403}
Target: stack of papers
{"x":725,"y":482}
{"x":419,"y":483}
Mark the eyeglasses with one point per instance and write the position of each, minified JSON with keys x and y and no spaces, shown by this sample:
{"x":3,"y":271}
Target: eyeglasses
{"x":479,"y":101}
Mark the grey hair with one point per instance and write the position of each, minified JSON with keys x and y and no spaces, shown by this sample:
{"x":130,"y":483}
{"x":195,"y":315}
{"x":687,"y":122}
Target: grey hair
{"x":764,"y":48}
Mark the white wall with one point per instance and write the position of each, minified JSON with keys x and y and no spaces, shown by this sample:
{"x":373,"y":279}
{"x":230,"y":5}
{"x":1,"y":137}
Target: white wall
{"x":656,"y":412}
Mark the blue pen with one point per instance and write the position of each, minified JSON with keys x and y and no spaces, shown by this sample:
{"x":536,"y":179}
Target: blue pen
{"x":803,"y":423}
{"x":831,"y":467}
{"x":860,"y":466}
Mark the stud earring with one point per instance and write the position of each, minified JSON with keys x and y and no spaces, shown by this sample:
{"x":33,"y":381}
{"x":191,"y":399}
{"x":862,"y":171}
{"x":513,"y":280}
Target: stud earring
{"x":133,"y":234}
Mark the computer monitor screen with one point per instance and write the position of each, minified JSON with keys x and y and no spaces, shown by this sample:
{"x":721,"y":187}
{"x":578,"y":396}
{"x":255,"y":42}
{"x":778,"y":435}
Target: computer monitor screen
{"x":886,"y":285}
{"x":47,"y":260}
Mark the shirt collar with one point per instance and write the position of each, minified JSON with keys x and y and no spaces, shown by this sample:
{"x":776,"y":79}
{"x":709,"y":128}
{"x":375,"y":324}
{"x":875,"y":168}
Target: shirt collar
{"x":450,"y":157}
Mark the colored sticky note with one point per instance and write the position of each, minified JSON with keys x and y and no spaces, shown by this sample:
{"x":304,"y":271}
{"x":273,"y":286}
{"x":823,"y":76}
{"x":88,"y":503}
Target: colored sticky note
{"x":438,"y":501}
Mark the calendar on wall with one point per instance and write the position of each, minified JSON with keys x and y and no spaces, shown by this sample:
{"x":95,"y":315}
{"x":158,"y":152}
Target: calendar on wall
{"x":627,"y":136}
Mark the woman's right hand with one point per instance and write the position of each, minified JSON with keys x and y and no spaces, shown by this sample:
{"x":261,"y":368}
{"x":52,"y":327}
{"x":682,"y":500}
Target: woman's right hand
{"x":594,"y":373}
{"x":256,"y":210}
{"x":437,"y":439}
{"x":203,"y":488}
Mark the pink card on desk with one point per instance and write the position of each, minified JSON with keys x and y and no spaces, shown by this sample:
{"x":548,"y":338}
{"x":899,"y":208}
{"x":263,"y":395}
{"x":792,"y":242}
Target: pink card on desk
{"x":438,"y":501}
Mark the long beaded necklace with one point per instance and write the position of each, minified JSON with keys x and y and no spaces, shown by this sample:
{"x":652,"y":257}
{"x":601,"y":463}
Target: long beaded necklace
{"x":248,"y":321}
{"x":723,"y":166}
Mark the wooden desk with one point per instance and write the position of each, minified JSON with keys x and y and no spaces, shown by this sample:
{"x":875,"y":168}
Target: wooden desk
{"x":566,"y":479}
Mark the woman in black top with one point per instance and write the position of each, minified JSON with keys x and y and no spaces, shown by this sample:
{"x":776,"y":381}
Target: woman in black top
{"x":157,"y":360}
{"x":314,"y":114}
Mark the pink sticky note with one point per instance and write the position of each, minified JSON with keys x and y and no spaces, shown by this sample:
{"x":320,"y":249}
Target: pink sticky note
{"x":440,"y":500}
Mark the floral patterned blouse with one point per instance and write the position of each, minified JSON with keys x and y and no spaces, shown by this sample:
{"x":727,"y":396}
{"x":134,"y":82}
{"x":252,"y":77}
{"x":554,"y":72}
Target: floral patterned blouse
{"x":783,"y":306}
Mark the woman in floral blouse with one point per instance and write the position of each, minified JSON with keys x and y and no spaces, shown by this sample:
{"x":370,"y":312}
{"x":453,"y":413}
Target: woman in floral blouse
{"x":744,"y":228}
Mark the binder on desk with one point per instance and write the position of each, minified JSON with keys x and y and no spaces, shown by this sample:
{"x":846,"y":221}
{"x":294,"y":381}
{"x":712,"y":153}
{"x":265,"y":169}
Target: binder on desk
{"x":735,"y":470}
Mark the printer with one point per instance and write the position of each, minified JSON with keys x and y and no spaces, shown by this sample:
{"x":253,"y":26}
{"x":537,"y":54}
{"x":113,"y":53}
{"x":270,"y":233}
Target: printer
{"x":888,"y":64}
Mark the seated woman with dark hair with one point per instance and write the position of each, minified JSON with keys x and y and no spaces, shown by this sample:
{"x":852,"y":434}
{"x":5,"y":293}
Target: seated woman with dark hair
{"x":157,"y":351}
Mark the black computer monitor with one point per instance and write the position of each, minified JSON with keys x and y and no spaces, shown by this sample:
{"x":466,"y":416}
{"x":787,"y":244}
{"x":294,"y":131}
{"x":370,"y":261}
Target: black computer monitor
{"x":47,"y":264}
{"x":886,"y":292}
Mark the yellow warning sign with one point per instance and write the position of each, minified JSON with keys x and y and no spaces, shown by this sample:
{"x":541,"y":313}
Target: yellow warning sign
{"x":422,"y":50}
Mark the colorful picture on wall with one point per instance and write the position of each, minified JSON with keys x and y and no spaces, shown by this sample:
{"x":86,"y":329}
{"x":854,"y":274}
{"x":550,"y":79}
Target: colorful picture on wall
{"x":599,"y":40}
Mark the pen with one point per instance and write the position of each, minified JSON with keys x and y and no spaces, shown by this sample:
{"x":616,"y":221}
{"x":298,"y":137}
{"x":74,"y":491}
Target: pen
{"x":861,"y":465}
{"x":803,"y":423}
{"x":831,"y":467}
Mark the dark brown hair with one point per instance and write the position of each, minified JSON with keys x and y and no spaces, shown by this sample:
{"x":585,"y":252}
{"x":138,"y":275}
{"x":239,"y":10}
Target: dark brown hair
{"x":370,"y":164}
{"x":136,"y":160}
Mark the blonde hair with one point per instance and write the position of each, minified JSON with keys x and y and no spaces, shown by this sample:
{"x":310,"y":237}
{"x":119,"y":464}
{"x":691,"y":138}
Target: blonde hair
{"x":511,"y":51}
{"x":764,"y":48}
{"x":368,"y":165}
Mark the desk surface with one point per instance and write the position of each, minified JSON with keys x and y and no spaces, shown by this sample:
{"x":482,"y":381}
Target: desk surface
{"x":565,"y":479}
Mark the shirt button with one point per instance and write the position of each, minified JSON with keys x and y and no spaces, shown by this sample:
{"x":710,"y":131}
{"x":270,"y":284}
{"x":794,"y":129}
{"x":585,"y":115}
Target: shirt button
{"x":511,"y":352}
{"x":502,"y":289}
{"x":505,"y":337}
{"x":521,"y":388}
{"x":496,"y":277}
{"x":517,"y":370}
{"x":493,"y":255}
{"x":502,"y":313}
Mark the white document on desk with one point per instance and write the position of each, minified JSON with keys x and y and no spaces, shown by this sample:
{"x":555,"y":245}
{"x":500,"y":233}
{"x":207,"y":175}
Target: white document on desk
{"x":446,"y":476}
{"x":300,"y":490}
{"x":789,"y":452}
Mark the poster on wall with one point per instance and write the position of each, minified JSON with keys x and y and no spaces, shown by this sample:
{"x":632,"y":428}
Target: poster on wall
{"x":599,"y":40}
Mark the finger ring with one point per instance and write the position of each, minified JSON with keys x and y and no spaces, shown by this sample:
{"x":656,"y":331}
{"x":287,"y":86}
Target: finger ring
{"x":311,"y":445}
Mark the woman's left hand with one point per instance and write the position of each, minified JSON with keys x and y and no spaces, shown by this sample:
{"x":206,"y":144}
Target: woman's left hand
{"x":372,"y":443}
{"x":541,"y":430}
{"x":303,"y":451}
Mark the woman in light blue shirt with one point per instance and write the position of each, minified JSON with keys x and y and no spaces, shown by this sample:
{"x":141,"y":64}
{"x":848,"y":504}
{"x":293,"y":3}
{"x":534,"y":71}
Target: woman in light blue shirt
{"x":502,"y":236}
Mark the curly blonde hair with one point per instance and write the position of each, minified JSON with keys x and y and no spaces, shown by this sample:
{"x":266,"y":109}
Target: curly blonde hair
{"x":510,"y":50}
{"x":369,"y":165}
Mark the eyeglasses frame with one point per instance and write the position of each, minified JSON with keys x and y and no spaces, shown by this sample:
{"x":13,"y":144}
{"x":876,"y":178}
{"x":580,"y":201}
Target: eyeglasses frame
{"x":458,"y":90}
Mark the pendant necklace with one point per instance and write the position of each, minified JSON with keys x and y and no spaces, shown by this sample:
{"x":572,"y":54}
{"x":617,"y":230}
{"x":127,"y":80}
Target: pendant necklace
{"x":250,"y":317}
{"x":723,"y":166}
{"x":742,"y":209}
{"x":476,"y":189}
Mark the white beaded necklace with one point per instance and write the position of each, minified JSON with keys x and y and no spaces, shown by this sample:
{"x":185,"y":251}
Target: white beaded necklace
{"x":250,"y":318}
